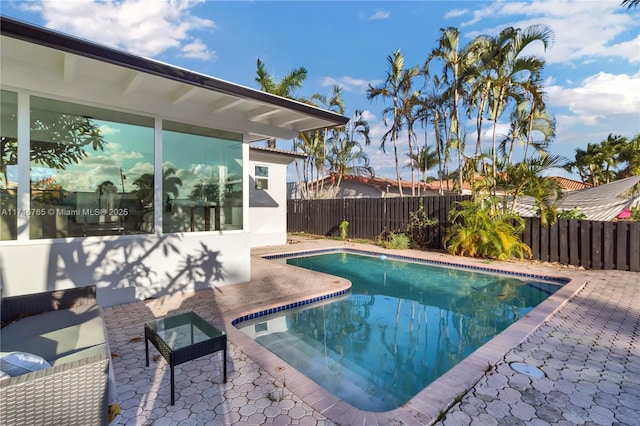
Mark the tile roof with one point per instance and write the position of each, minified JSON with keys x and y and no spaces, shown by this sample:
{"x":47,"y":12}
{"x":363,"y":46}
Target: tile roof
{"x":570,"y":184}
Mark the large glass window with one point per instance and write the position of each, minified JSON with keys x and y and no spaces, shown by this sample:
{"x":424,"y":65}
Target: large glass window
{"x":202,"y":178}
{"x":8,"y":165}
{"x":91,"y":171}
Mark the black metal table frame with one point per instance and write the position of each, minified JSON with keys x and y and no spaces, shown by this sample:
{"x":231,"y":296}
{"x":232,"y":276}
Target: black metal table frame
{"x":190,"y":352}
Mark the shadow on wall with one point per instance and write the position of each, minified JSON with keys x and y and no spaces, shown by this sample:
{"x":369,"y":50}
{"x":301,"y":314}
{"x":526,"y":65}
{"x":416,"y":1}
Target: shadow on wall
{"x":260,"y":197}
{"x":126,"y":269}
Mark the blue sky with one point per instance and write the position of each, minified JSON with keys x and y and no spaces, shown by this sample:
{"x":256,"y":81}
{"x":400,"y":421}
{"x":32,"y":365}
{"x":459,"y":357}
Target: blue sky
{"x":592,"y":71}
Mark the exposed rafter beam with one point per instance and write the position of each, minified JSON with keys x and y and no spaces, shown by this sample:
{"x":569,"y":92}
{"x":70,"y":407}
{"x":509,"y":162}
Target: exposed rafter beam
{"x":260,"y":112}
{"x":182,"y":94}
{"x":132,"y":82}
{"x":287,"y":120}
{"x":224,"y":103}
{"x":68,"y":66}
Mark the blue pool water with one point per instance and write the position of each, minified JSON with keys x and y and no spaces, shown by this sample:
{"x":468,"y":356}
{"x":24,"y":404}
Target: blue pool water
{"x":402,"y":325}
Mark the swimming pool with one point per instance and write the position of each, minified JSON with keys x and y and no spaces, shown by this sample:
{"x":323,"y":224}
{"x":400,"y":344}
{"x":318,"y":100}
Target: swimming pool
{"x":403,"y":324}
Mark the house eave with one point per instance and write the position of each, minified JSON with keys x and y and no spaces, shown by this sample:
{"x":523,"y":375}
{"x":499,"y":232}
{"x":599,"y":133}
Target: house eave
{"x":265,"y":115}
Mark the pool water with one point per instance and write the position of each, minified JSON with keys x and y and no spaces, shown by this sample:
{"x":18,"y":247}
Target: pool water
{"x":402,"y":326}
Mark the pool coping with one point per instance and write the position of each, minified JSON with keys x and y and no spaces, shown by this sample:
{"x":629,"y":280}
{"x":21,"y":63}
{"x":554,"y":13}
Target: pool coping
{"x":431,"y":402}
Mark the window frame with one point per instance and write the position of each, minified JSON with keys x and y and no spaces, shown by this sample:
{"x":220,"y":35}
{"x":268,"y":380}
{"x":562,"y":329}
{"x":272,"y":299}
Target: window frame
{"x":257,"y":178}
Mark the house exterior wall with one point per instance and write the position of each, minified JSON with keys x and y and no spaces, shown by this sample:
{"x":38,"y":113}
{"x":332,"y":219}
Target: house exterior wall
{"x":126,"y":268}
{"x":268,"y":207}
{"x":123,"y":267}
{"x":351,"y":189}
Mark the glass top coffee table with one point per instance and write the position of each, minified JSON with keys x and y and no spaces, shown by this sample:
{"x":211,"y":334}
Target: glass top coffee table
{"x":184,"y":337}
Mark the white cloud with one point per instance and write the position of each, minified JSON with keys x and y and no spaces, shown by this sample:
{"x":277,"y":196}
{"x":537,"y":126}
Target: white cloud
{"x":598,"y":95}
{"x":379,"y":15}
{"x":583,"y":30}
{"x":143,"y":27}
{"x":454,"y":13}
{"x":347,"y":83}
{"x":198,"y":50}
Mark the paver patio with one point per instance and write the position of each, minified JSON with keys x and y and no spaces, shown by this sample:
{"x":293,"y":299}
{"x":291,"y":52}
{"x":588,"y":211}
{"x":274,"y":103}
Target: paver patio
{"x":589,"y":350}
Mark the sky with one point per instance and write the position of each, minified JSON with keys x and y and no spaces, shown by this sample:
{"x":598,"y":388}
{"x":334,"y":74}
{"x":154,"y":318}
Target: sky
{"x":592,"y":71}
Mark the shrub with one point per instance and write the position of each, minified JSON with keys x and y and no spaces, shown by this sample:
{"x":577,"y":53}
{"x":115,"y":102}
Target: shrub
{"x":394,"y":241}
{"x":344,"y":226}
{"x":418,"y":226}
{"x":485,"y":232}
{"x":573,"y":213}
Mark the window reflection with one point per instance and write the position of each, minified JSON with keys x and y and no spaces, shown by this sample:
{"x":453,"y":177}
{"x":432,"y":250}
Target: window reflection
{"x":262,"y":177}
{"x":8,"y":164}
{"x":88,"y":168}
{"x":202,"y":179}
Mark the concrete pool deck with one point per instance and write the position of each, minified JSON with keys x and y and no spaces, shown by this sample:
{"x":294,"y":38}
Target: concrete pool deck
{"x":585,"y":338}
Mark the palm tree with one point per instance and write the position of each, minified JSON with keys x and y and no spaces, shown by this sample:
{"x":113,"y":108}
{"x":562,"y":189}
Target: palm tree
{"x":524,"y":123}
{"x":526,"y":178}
{"x":425,"y":160}
{"x":332,"y":102}
{"x":478,"y":74}
{"x":346,"y":154}
{"x":510,"y":70}
{"x":395,"y":88}
{"x":452,"y":58}
{"x":630,"y":154}
{"x":358,"y":126}
{"x":286,"y":87}
{"x":630,"y":3}
{"x":435,"y":105}
{"x":410,"y":99}
{"x":308,"y":143}
{"x":347,"y":157}
{"x":588,"y":164}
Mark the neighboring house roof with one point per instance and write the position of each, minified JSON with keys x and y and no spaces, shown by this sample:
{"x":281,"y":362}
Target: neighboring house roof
{"x":388,"y":186}
{"x":602,"y":202}
{"x":393,"y":183}
{"x":259,"y":114}
{"x":570,"y":184}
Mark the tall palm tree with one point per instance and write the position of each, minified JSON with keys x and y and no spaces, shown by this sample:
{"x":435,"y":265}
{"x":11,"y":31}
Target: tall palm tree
{"x":524,"y":123}
{"x":452,"y":57}
{"x":410,"y":104}
{"x":309,"y":143}
{"x":435,"y":105}
{"x":286,"y":87}
{"x":630,"y":3}
{"x":395,"y":89}
{"x":478,"y":75}
{"x":332,"y":102}
{"x":511,"y":69}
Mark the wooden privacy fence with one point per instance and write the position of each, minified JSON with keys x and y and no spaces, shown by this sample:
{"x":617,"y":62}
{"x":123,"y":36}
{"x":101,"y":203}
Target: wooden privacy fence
{"x":588,"y":243}
{"x":368,"y":217}
{"x":592,"y":244}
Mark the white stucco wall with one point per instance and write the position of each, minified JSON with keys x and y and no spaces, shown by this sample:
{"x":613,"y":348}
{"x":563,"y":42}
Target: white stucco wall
{"x":126,"y":268}
{"x":129,"y":267}
{"x":268,"y":208}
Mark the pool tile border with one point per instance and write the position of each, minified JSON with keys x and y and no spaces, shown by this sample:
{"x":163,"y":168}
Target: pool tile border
{"x":287,"y":307}
{"x":558,"y":280}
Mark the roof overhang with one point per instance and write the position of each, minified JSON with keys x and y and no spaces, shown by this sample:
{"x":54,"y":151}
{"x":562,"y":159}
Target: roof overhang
{"x":272,"y":155}
{"x":50,"y":62}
